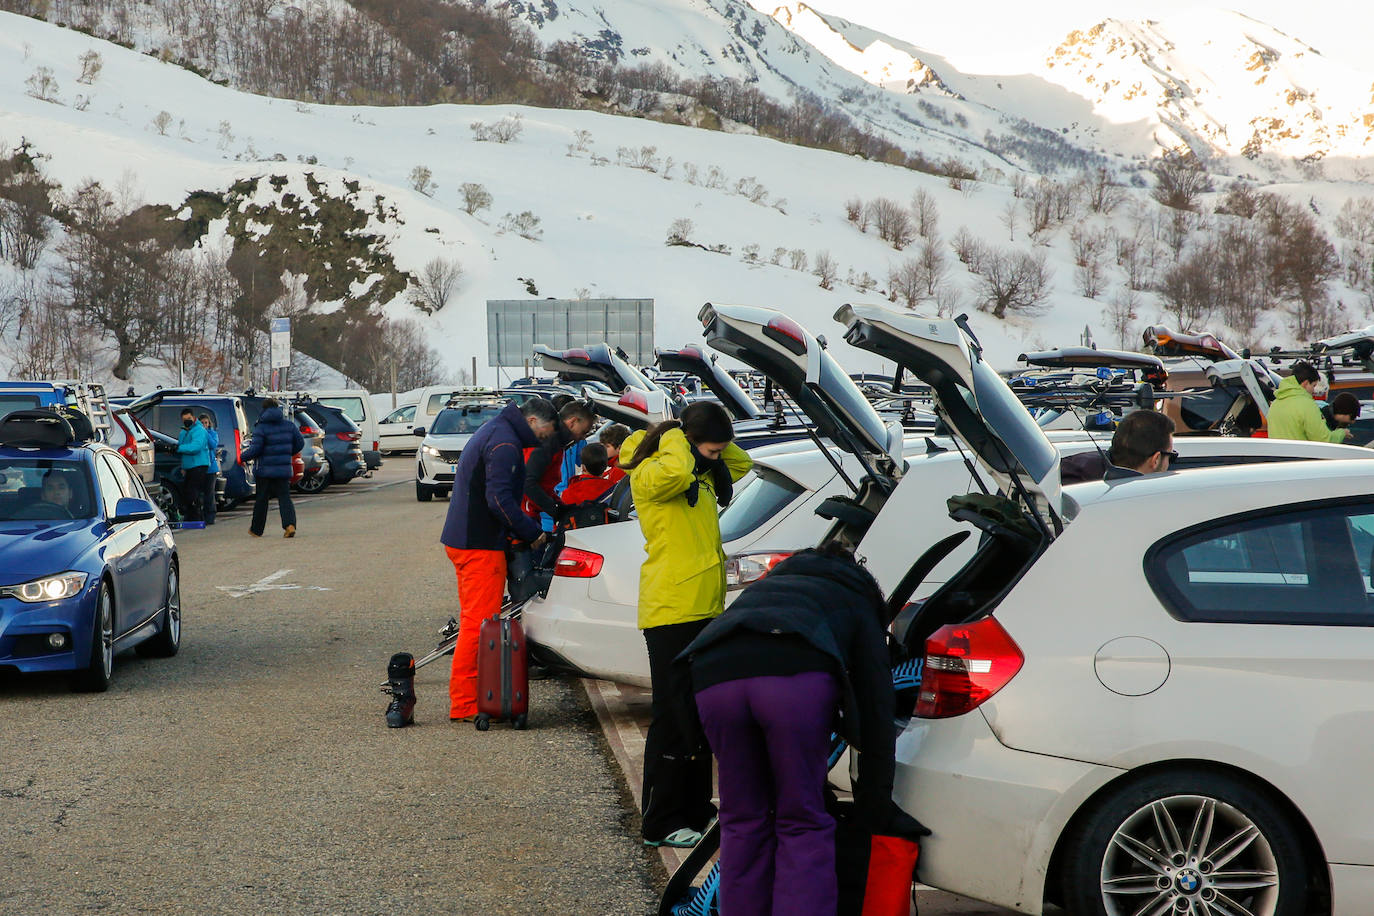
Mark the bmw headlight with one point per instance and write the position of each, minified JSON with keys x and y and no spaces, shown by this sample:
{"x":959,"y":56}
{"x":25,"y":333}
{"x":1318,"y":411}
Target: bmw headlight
{"x":50,"y":588}
{"x":430,"y":450}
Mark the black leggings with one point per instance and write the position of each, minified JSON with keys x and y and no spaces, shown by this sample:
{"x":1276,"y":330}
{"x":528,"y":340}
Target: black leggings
{"x":677,"y":775}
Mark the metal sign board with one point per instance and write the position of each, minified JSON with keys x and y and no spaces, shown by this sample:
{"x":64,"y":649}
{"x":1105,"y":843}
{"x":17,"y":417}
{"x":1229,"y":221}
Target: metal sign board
{"x":281,"y":343}
{"x":514,"y":326}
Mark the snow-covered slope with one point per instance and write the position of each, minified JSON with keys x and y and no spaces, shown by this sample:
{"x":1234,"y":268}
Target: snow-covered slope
{"x":1219,"y":82}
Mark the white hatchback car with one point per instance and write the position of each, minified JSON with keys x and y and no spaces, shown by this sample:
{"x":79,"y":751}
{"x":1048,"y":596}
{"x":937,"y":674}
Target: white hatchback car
{"x":436,"y":460}
{"x":1145,"y":696}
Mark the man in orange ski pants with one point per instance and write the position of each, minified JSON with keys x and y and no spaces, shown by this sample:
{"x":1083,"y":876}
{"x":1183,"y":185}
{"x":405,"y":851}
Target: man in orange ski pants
{"x":483,"y":515}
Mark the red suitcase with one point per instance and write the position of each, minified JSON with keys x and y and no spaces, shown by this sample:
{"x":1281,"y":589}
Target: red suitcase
{"x":503,"y":683}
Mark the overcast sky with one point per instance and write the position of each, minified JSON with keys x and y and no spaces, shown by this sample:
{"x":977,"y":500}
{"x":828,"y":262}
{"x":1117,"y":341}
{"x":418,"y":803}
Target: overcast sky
{"x":1005,"y":36}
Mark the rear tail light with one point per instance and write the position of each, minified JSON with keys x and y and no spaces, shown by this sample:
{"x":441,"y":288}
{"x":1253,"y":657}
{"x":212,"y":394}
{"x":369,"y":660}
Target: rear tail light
{"x":743,"y":568}
{"x":966,"y":663}
{"x":348,"y":437}
{"x":635,"y":400}
{"x":238,"y":446}
{"x":130,"y":451}
{"x":577,"y":564}
{"x":376,"y":446}
{"x":308,"y":430}
{"x":788,"y":333}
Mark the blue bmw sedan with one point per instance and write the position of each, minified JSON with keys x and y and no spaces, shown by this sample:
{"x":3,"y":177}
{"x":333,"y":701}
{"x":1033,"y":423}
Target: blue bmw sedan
{"x":88,"y":566}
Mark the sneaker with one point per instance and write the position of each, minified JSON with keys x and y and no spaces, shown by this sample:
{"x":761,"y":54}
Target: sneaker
{"x":289,"y":531}
{"x":684,"y":838}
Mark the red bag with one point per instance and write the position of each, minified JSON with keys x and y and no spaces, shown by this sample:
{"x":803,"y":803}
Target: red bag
{"x":891,"y":872}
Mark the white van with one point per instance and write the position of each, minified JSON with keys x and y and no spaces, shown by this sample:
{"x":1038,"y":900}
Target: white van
{"x":356,"y":404}
{"x":433,"y":398}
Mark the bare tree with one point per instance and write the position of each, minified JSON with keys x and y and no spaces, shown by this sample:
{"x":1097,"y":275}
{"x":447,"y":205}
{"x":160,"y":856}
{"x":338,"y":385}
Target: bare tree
{"x":968,"y":248}
{"x":91,"y":65}
{"x":797,"y":259}
{"x":1187,"y":290}
{"x":1014,"y":281}
{"x":162,"y":121}
{"x":42,"y":85}
{"x":680,"y":232}
{"x":854,"y":212}
{"x":825,"y":269}
{"x":25,"y":218}
{"x":891,"y":221}
{"x":931,"y":260}
{"x":925,"y":212}
{"x":1355,"y":221}
{"x":906,"y":282}
{"x":1009,"y":214}
{"x":422,"y":180}
{"x":1121,"y":314}
{"x":475,"y":197}
{"x":1102,"y":191}
{"x":1179,"y":179}
{"x":436,"y":284}
{"x":1089,"y":252}
{"x":524,"y":224}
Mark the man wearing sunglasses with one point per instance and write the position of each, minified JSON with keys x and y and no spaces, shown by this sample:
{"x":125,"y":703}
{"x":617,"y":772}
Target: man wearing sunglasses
{"x":1142,"y":444}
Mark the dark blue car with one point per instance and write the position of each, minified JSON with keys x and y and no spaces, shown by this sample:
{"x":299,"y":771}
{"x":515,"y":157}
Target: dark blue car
{"x":88,"y":566}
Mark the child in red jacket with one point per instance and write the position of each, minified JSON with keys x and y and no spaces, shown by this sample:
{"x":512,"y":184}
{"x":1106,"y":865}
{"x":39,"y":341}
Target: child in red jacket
{"x":598,"y":478}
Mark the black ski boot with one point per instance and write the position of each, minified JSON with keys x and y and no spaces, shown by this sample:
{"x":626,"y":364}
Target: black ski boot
{"x":400,"y":684}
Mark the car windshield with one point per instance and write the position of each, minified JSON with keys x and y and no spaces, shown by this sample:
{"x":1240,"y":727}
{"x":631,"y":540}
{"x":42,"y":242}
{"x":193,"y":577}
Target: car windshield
{"x":44,"y":489}
{"x":759,"y":497}
{"x":453,"y":421}
{"x":351,"y":407}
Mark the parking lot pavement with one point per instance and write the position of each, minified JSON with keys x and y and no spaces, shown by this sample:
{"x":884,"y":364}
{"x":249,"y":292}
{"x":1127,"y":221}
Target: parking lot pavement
{"x":253,"y":773}
{"x":623,"y":711}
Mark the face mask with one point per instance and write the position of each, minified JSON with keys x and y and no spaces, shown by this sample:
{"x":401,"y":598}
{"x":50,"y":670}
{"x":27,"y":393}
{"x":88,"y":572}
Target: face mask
{"x":187,"y":424}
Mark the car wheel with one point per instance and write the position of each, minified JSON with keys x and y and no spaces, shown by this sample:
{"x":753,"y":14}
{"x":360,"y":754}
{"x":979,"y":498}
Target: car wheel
{"x":167,"y":501}
{"x":423,"y":493}
{"x":168,"y":639}
{"x":317,"y":481}
{"x":1186,"y":842}
{"x":95,"y":677}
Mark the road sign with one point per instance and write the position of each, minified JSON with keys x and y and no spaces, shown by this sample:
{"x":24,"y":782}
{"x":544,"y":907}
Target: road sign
{"x":281,"y":343}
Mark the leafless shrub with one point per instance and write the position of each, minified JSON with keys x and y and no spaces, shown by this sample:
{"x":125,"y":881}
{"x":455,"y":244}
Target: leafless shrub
{"x":680,"y":232}
{"x":524,"y":224}
{"x":825,"y":269}
{"x":42,"y":85}
{"x":1014,"y":281}
{"x":91,"y":65}
{"x":797,"y":259}
{"x":1121,"y":314}
{"x":161,"y":121}
{"x":891,"y":221}
{"x":422,"y":180}
{"x":854,"y":212}
{"x":925,"y":213}
{"x":436,"y":284}
{"x":475,"y":197}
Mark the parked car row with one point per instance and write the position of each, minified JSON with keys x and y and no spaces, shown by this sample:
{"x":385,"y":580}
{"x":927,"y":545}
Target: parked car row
{"x":1138,"y":696}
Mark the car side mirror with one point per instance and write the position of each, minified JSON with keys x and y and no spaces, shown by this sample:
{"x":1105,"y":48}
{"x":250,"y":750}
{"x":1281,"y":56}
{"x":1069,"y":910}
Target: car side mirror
{"x":130,"y":509}
{"x":418,"y":431}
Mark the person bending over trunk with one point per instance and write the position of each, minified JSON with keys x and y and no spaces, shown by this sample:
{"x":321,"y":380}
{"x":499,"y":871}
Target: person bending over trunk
{"x":681,"y":472}
{"x":1295,"y":414}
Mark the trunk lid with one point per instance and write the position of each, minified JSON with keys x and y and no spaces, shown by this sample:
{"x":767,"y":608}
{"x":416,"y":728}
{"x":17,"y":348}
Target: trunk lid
{"x":972,"y":398}
{"x":693,"y":360}
{"x":597,"y":363}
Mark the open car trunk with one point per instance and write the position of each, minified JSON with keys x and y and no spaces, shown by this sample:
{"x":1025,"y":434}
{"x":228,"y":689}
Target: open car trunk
{"x":597,"y":363}
{"x":693,"y":361}
{"x":635,"y":408}
{"x":797,"y":363}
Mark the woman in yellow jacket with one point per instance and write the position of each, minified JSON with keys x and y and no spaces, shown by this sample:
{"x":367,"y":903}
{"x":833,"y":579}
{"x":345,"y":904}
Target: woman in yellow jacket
{"x":680,"y":473}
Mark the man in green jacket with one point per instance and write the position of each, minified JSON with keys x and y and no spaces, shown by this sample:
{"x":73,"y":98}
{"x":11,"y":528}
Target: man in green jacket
{"x":1295,"y":414}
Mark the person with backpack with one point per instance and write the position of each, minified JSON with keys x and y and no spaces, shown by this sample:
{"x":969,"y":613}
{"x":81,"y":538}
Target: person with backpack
{"x":799,"y":650}
{"x":596,"y":479}
{"x":681,"y":473}
{"x":544,"y":461}
{"x":274,"y":442}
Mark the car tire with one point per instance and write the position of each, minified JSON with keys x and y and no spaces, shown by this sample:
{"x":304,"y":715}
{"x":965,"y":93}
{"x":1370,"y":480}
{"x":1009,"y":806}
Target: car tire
{"x":423,"y":493}
{"x":1159,"y":841}
{"x":96,"y":676}
{"x":168,"y":639}
{"x":317,"y":482}
{"x":167,"y":500}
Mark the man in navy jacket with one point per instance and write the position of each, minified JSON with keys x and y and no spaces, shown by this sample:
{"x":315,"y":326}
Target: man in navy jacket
{"x":483,"y":514}
{"x":275,"y":440}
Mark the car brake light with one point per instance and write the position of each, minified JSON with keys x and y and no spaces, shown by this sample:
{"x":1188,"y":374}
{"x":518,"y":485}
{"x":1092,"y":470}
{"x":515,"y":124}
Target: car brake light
{"x":966,"y":663}
{"x":744,"y":568}
{"x":577,"y":354}
{"x":788,"y":333}
{"x":376,"y":446}
{"x":238,"y":446}
{"x":309,"y":430}
{"x":348,"y":437}
{"x":130,"y":452}
{"x":577,"y":564}
{"x":635,"y":400}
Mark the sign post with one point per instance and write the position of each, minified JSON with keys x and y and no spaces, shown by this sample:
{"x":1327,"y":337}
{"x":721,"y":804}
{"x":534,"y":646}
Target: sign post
{"x":281,"y":349}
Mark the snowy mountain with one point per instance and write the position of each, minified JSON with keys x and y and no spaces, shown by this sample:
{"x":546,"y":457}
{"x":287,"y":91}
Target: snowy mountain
{"x":1220,"y":83}
{"x":581,"y":205}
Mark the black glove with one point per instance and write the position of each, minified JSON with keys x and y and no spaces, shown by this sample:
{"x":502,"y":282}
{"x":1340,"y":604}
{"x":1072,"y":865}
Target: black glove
{"x":725,"y":487}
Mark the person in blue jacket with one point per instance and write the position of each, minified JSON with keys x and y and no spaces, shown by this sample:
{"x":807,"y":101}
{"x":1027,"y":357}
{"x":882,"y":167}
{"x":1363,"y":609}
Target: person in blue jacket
{"x":275,"y":440}
{"x":211,"y":471}
{"x":484,"y":516}
{"x":194,"y":448}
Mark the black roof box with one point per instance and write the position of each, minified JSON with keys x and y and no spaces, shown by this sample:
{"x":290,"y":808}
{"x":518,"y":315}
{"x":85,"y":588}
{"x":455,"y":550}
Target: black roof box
{"x":42,"y":428}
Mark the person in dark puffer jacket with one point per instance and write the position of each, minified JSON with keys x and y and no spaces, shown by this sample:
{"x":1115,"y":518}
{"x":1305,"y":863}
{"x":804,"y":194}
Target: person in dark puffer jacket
{"x":769,"y":675}
{"x":275,"y":441}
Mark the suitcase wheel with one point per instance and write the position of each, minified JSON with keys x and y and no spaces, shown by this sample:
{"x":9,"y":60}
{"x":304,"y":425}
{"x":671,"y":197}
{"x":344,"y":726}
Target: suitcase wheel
{"x":483,"y":722}
{"x":521,"y":722}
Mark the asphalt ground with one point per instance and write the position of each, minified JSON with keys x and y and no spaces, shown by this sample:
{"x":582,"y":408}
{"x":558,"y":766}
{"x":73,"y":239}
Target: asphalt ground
{"x":253,"y":773}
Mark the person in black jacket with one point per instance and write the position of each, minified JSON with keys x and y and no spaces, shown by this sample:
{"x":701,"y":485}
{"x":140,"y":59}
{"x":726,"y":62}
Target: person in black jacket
{"x":275,"y":440}
{"x":544,"y":462}
{"x":769,"y":675}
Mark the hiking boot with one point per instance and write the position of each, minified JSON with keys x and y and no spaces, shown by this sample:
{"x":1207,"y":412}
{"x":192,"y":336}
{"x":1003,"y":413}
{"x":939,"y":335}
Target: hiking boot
{"x":400,"y":684}
{"x":289,"y":531}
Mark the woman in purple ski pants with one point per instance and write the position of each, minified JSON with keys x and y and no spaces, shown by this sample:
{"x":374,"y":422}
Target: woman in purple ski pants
{"x":770,"y":676}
